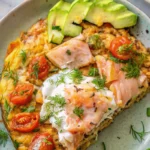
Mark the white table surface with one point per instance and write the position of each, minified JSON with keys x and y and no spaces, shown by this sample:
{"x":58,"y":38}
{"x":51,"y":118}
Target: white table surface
{"x":8,"y":5}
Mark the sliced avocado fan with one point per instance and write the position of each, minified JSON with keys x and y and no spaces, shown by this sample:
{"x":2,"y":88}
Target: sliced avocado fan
{"x":64,"y":18}
{"x":56,"y":19}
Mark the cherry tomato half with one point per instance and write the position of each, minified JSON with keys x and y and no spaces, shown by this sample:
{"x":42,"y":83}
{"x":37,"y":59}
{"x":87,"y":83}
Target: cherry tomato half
{"x":39,"y":67}
{"x":107,"y":25}
{"x":25,"y":122}
{"x":22,"y":94}
{"x":116,"y":43}
{"x":44,"y":142}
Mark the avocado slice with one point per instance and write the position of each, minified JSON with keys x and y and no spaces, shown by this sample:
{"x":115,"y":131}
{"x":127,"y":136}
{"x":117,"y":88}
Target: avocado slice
{"x":77,"y":13}
{"x":61,"y":5}
{"x":111,"y":12}
{"x":94,"y":15}
{"x":56,"y":19}
{"x":125,"y":19}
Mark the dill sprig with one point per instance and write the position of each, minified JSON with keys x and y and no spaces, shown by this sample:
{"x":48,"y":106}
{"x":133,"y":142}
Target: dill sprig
{"x":68,"y":52}
{"x":28,"y":109}
{"x":138,"y":135}
{"x":10,"y":74}
{"x":78,"y":111}
{"x":35,"y":70}
{"x":16,"y":144}
{"x":132,"y":69}
{"x":125,"y":48}
{"x":3,"y":138}
{"x":57,"y":99}
{"x":46,"y":141}
{"x":99,"y":83}
{"x":76,"y":76}
{"x":116,"y":60}
{"x":23,"y":56}
{"x":60,"y":80}
{"x":104,"y":146}
{"x":7,"y":107}
{"x":58,"y":121}
{"x":93,"y":72}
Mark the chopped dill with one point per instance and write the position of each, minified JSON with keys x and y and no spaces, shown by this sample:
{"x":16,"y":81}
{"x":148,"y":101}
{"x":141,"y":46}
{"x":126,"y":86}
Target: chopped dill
{"x":76,"y":76}
{"x":125,"y":48}
{"x":16,"y":144}
{"x":93,"y":72}
{"x":68,"y":52}
{"x":23,"y":56}
{"x":99,"y":83}
{"x":10,"y":74}
{"x":28,"y":109}
{"x":132,"y":69}
{"x":138,"y":135}
{"x":78,"y":111}
{"x":58,"y":121}
{"x":60,"y":80}
{"x":104,"y":146}
{"x":57,"y":99}
{"x":35,"y":70}
{"x":3,"y":138}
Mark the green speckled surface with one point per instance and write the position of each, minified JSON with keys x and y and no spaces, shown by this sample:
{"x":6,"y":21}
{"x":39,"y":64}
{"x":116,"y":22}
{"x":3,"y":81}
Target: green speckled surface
{"x":116,"y":136}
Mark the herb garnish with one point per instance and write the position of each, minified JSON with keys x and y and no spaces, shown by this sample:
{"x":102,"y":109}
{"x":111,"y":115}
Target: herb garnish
{"x":93,"y":72}
{"x":60,"y":80}
{"x":132,"y":69}
{"x":104,"y":146}
{"x":16,"y":144}
{"x":54,"y":70}
{"x":57,"y":99}
{"x":3,"y":138}
{"x":45,"y":140}
{"x":35,"y":91}
{"x":36,"y":70}
{"x":36,"y":130}
{"x":125,"y":48}
{"x":68,"y":52}
{"x":56,"y":28}
{"x":58,"y":121}
{"x":76,"y":76}
{"x":109,"y":109}
{"x":148,"y":112}
{"x":28,"y":109}
{"x":44,"y":118}
{"x":99,"y":83}
{"x":116,"y":60}
{"x":7,"y":107}
{"x":138,"y":135}
{"x":95,"y":42}
{"x":10,"y":74}
{"x":23,"y":56}
{"x":78,"y":111}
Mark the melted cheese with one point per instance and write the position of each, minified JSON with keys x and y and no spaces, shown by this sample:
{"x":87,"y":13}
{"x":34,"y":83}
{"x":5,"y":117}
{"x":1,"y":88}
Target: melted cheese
{"x":96,"y":107}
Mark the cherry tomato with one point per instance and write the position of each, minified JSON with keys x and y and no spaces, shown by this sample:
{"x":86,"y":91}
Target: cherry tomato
{"x":25,"y":122}
{"x":39,"y":67}
{"x":22,"y":94}
{"x":116,"y":43}
{"x":107,"y":25}
{"x":44,"y":142}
